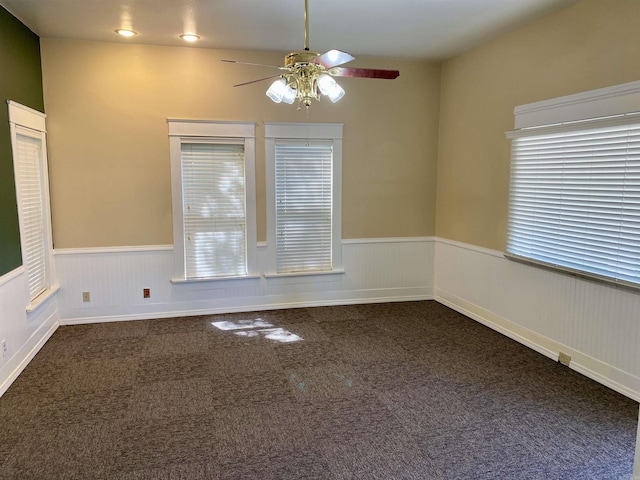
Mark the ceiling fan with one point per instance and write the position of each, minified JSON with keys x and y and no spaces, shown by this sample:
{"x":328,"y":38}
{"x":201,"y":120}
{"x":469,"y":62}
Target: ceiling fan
{"x":308,"y":75}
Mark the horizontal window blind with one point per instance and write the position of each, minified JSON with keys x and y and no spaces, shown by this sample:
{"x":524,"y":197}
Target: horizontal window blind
{"x":214,"y":206}
{"x":303,"y":189}
{"x":575,"y":197}
{"x":29,"y":181}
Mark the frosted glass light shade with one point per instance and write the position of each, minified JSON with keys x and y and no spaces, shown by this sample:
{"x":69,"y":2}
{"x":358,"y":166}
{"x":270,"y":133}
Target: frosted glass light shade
{"x":289,"y":94}
{"x":276,"y":91}
{"x":280,"y":91}
{"x":329,"y":87}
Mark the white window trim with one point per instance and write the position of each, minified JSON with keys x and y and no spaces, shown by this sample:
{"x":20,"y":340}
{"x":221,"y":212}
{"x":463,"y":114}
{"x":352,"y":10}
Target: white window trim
{"x":301,"y":131}
{"x":606,"y":103}
{"x":27,"y":121}
{"x":210,"y":129}
{"x":602,"y":102}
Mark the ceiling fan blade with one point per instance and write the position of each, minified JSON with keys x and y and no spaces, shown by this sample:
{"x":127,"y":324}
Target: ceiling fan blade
{"x":256,"y":81}
{"x":333,"y":58}
{"x":364,"y":73}
{"x":255,"y":64}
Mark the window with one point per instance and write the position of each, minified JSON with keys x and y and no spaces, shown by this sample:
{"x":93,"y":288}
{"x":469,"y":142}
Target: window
{"x":575,"y":196}
{"x":304,"y":163}
{"x":213,"y":199}
{"x":32,"y":187}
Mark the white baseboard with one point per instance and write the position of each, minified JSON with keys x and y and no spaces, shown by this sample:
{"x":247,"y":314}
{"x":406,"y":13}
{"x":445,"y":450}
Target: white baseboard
{"x":501,"y":325}
{"x":427,"y":295}
{"x":548,"y":312}
{"x":584,"y":364}
{"x":21,"y":359}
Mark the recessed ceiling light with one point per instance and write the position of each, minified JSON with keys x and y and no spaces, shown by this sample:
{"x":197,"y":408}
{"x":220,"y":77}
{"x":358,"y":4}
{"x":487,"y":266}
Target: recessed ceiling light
{"x":126,"y":33}
{"x":189,"y":37}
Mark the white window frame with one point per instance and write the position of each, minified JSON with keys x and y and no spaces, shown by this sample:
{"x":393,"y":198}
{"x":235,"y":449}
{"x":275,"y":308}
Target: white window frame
{"x":25,"y":121}
{"x":300,"y":132}
{"x":596,"y":108}
{"x":202,"y":130}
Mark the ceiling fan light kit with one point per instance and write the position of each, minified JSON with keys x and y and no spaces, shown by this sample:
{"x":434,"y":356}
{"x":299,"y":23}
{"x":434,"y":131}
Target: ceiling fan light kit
{"x":309,"y":75}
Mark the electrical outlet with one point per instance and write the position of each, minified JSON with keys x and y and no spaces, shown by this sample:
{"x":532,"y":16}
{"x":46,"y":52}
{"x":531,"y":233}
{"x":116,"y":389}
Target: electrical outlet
{"x":564,"y":359}
{"x":86,"y":297}
{"x":146,"y":293}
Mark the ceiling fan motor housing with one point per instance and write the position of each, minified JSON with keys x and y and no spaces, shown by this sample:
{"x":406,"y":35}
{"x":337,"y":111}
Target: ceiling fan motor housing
{"x":301,"y":56}
{"x":304,"y":75}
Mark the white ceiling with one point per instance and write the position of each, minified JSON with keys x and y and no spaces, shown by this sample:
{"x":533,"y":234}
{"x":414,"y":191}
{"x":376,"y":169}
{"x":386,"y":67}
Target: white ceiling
{"x":423,"y":29}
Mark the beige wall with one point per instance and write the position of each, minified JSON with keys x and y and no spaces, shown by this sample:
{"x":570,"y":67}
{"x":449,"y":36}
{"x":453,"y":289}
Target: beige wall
{"x":592,"y":44}
{"x":107,"y":106}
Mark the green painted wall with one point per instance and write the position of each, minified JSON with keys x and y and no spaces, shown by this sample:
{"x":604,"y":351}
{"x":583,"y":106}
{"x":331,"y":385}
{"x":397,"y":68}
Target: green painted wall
{"x":21,"y":81}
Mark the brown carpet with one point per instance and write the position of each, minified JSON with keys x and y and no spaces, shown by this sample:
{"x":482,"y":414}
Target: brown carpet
{"x":386,"y":391}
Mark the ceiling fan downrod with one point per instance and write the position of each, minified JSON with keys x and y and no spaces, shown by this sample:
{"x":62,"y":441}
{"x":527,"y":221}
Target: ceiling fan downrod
{"x":306,"y":25}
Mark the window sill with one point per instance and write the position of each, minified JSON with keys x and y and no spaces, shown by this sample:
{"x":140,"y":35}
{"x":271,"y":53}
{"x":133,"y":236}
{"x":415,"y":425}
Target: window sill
{"x":214,"y":279}
{"x":41,"y":299}
{"x":610,"y":281}
{"x":304,"y":274}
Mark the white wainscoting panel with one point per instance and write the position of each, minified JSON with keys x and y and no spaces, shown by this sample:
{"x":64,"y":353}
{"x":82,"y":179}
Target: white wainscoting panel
{"x":24,"y":333}
{"x":551,"y":312}
{"x":376,"y":270}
